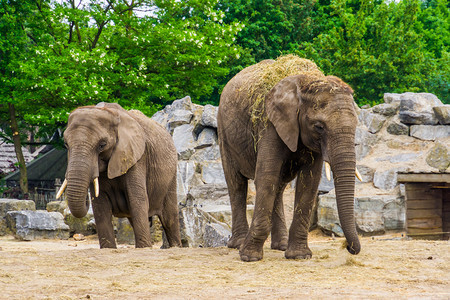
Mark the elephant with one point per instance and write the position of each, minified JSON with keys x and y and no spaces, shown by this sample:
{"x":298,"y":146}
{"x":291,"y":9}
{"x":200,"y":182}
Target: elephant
{"x":304,"y":121}
{"x":130,"y":163}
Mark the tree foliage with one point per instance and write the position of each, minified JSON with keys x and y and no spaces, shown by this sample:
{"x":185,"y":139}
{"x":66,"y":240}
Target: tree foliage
{"x":376,"y":46}
{"x":65,"y":54}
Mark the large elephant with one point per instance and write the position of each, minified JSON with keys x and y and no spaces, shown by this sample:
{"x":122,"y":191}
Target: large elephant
{"x":303,"y":120}
{"x":130,"y":162}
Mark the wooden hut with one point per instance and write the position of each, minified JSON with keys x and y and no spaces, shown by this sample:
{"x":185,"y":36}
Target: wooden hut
{"x":427,"y":204}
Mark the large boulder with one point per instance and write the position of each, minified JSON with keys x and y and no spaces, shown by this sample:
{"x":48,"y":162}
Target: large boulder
{"x":417,"y":108}
{"x":430,"y":133}
{"x":7,"y":205}
{"x":373,"y":122}
{"x":373,"y":215}
{"x":439,"y":157}
{"x":442,"y":114}
{"x":387,"y":179}
{"x":212,"y":172}
{"x":183,"y":137}
{"x":209,"y":116}
{"x":30,"y":225}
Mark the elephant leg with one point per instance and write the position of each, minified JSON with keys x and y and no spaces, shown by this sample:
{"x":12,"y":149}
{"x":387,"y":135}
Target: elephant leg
{"x":139,"y":208}
{"x":169,"y":218}
{"x":103,"y":221}
{"x":308,"y":180}
{"x":279,"y":233}
{"x":237,"y":190}
{"x":267,"y":182}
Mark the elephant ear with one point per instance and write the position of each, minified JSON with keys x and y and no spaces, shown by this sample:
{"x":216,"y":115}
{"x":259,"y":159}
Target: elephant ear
{"x":129,"y":148}
{"x":282,"y":104}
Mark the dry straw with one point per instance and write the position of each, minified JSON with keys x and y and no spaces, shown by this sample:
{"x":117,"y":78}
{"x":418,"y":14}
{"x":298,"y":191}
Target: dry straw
{"x":262,"y":77}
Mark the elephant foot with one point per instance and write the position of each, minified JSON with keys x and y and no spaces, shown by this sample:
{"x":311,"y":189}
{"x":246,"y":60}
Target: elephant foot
{"x":235,"y":242}
{"x":250,"y":255}
{"x":279,"y":245}
{"x":301,"y":252}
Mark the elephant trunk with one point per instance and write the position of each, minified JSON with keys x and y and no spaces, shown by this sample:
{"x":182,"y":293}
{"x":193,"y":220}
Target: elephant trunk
{"x":343,"y":164}
{"x":78,"y":180}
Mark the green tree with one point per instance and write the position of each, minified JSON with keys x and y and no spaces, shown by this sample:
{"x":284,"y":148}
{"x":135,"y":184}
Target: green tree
{"x":376,"y":48}
{"x":58,"y":55}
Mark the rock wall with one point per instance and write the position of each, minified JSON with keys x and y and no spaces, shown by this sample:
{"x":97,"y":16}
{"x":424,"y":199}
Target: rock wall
{"x":205,"y":212}
{"x":410,"y":132}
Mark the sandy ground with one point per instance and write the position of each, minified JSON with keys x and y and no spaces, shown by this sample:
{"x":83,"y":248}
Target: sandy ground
{"x":388,"y":267}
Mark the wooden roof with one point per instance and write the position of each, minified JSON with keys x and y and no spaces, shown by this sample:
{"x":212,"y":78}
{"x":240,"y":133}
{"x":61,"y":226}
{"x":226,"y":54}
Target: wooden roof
{"x":424,"y":177}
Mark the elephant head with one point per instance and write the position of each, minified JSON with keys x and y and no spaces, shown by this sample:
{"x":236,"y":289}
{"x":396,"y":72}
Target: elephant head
{"x":102,"y":138}
{"x":320,"y":114}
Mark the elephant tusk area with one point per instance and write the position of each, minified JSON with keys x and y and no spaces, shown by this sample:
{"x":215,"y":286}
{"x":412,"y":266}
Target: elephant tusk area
{"x":358,"y":175}
{"x":96,"y":187}
{"x":328,"y":171}
{"x":61,"y":189}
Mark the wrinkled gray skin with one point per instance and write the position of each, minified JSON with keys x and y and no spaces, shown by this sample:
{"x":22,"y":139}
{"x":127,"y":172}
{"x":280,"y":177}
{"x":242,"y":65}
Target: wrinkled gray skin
{"x":136,"y":163}
{"x":306,"y":125}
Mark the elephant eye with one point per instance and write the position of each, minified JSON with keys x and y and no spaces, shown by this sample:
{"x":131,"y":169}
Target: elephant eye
{"x":319,"y":128}
{"x":66,"y":145}
{"x":101,"y":146}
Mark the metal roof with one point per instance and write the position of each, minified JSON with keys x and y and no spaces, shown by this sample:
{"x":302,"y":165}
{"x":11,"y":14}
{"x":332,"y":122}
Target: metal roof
{"x":47,"y":167}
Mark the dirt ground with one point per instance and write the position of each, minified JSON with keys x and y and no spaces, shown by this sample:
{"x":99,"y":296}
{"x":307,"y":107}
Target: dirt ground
{"x":388,"y":267}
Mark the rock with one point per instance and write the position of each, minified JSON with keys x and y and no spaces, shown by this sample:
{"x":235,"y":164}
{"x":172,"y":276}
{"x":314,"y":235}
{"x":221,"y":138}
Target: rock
{"x":327,"y":215}
{"x":7,"y":205}
{"x":204,"y":154}
{"x":373,"y":215}
{"x":430,"y":133}
{"x":85,"y":225}
{"x":182,"y":104}
{"x":209,"y":116}
{"x":206,"y":138}
{"x":368,"y":217}
{"x":161,"y":117}
{"x":386,"y":109}
{"x":184,"y":141}
{"x":376,"y":214}
{"x":58,"y":206}
{"x":212,"y":172}
{"x":403,"y":157}
{"x":386,"y":180}
{"x":30,"y":225}
{"x":124,"y":231}
{"x":397,"y":128}
{"x":192,"y":224}
{"x":178,"y":117}
{"x":366,"y":173}
{"x":442,"y":114}
{"x":374,"y":122}
{"x":364,"y":142}
{"x":79,"y":237}
{"x":439,"y":157}
{"x":216,"y":235}
{"x":418,"y":108}
{"x":197,"y":119}
{"x":186,"y":178}
{"x":391,"y":98}
{"x":214,"y":194}
{"x":394,"y":213}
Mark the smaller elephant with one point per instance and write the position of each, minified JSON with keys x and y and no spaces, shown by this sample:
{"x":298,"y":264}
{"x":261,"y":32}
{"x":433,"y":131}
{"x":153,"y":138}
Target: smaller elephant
{"x":130,"y":163}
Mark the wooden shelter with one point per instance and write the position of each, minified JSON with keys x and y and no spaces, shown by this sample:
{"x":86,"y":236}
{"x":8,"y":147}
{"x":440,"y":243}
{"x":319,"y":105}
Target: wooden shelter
{"x":427,"y":204}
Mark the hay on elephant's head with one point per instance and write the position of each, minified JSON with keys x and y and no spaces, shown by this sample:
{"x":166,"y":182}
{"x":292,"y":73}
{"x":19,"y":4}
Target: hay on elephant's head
{"x":262,"y":77}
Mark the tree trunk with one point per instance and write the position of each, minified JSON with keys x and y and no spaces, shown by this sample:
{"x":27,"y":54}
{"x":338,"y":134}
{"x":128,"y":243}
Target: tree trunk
{"x":18,"y":149}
